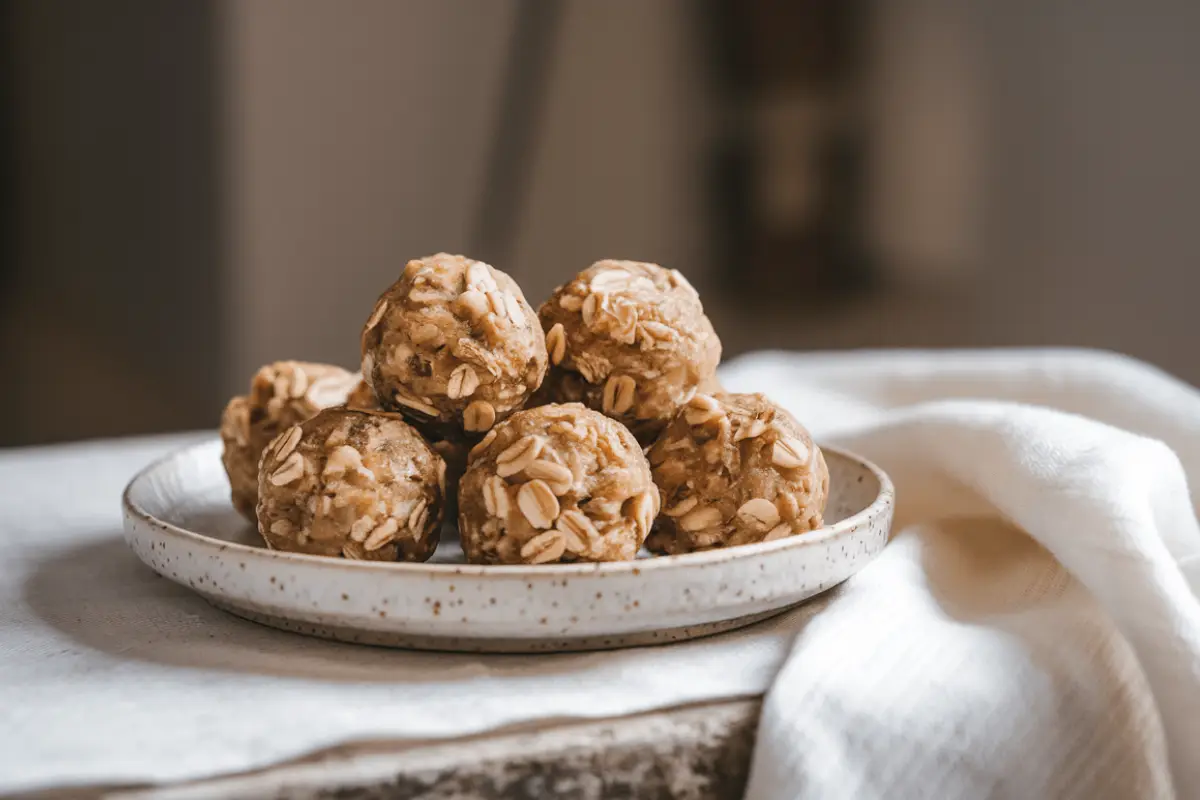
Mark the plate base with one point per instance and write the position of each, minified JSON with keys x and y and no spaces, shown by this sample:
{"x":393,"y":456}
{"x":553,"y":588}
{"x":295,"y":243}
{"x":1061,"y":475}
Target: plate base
{"x":566,"y":644}
{"x":179,"y":521}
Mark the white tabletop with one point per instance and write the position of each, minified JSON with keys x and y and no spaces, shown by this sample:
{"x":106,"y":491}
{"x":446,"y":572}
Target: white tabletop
{"x":113,"y":674}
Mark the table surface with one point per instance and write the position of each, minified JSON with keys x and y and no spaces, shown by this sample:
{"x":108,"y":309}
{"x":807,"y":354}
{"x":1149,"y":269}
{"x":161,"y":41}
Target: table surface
{"x":700,"y":748}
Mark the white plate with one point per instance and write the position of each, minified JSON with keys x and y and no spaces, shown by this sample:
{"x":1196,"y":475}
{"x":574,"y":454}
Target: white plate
{"x":179,"y":521}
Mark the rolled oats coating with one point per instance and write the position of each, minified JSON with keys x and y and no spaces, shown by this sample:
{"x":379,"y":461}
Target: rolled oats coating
{"x":735,"y":469}
{"x":450,"y":446}
{"x":556,"y":483}
{"x":352,"y":483}
{"x":281,"y":395}
{"x":628,"y":339}
{"x":453,"y":345}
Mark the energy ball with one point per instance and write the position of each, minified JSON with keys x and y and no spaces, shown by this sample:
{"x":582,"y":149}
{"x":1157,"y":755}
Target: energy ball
{"x":452,"y":448}
{"x":556,"y":483}
{"x":453,"y":345}
{"x":352,"y":483}
{"x":735,"y":469}
{"x":631,"y":340}
{"x":281,"y":395}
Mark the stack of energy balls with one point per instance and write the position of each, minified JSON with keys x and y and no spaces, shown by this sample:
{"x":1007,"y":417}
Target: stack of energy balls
{"x":580,"y":432}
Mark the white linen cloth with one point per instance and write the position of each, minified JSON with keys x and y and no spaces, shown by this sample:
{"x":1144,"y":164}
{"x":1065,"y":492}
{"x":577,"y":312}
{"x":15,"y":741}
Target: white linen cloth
{"x":1033,"y":628}
{"x":1031,"y":631}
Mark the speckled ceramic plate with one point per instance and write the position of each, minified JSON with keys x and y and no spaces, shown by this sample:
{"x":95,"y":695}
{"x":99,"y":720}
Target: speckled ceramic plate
{"x":179,"y":521}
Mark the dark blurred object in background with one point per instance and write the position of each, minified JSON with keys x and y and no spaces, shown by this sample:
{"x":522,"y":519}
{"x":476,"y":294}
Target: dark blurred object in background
{"x":790,"y":164}
{"x":8,"y":218}
{"x":112,"y":320}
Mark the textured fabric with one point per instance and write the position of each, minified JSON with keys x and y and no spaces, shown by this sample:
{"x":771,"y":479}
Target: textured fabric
{"x":111,"y":674}
{"x":1029,"y":632}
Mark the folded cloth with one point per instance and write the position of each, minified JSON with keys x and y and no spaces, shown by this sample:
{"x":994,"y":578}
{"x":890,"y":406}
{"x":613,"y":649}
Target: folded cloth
{"x":1029,"y":632}
{"x":1033,"y":628}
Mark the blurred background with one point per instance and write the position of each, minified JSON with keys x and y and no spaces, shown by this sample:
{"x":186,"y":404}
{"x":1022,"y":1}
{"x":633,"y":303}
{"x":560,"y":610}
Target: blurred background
{"x":188,"y":190}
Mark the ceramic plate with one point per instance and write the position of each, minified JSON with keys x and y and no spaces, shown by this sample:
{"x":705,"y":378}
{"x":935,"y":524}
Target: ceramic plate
{"x":178,"y":519}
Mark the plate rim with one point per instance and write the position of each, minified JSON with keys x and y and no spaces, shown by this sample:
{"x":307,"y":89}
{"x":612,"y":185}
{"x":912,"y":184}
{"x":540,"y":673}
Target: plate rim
{"x":883,"y":500}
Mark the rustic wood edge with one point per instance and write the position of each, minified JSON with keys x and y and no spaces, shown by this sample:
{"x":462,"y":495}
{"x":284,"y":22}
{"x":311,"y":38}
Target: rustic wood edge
{"x":698,"y":751}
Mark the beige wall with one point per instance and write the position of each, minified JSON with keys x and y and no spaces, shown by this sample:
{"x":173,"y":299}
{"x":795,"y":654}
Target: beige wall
{"x":178,"y":229}
{"x":357,"y":140}
{"x":1048,"y":160}
{"x":360,"y":140}
{"x":620,"y":166}
{"x":1094,"y":177}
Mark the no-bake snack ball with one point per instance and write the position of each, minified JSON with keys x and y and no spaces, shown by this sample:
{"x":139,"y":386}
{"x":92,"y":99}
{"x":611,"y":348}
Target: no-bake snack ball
{"x":281,"y":395}
{"x":629,"y":339}
{"x":452,"y":447}
{"x":735,"y":469}
{"x":453,"y":345}
{"x":352,"y":483}
{"x":556,"y":483}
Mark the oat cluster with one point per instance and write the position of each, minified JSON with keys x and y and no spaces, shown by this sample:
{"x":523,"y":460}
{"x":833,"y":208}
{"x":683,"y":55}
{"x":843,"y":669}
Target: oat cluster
{"x":556,"y":483}
{"x":447,"y":444}
{"x":281,"y":395}
{"x":630,"y":340}
{"x":453,"y":345}
{"x":532,"y":429}
{"x":352,"y":483}
{"x":735,"y":469}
